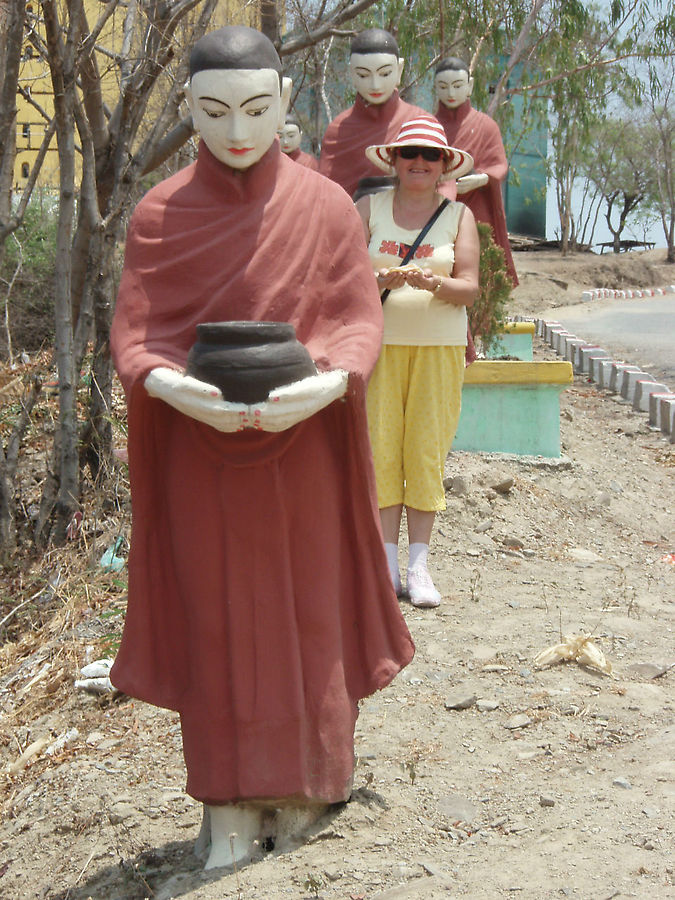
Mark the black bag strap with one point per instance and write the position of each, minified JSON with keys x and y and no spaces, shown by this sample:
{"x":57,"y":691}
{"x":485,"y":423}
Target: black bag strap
{"x":418,"y":240}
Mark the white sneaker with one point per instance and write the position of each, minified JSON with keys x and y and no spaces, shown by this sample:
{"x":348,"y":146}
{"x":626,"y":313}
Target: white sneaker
{"x":421,"y":589}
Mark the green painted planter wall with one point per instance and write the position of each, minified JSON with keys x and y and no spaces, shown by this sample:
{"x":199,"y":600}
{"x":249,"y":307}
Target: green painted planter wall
{"x":518,"y":345}
{"x":512,"y":407}
{"x":515,"y":340}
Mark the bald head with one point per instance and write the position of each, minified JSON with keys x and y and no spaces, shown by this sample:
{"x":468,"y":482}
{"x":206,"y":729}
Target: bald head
{"x":234,"y":47}
{"x":374,"y":40}
{"x":374,"y":65}
{"x":452,"y":64}
{"x":236,"y":94}
{"x":453,"y":82}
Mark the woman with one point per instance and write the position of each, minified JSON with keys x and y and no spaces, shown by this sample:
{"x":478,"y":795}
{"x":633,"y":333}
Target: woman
{"x":415,"y":391}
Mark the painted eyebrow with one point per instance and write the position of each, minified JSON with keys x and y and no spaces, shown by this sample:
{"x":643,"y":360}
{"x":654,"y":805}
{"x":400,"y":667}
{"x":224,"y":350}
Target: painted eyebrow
{"x":379,"y":69}
{"x":222,"y":102}
{"x":214,"y":100}
{"x":257,"y":97}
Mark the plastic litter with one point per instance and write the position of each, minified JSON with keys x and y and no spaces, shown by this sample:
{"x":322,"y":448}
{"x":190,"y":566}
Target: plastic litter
{"x":110,"y":562}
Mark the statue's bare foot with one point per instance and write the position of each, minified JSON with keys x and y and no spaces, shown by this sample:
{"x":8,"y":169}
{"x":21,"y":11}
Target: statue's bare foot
{"x":203,"y":842}
{"x":234,"y":834}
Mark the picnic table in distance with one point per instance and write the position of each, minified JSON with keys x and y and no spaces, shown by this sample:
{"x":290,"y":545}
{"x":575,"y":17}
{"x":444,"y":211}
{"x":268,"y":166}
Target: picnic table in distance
{"x":625,"y":245}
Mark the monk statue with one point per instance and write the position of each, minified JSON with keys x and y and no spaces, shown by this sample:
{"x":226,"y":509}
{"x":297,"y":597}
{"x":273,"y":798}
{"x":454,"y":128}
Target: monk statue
{"x":478,"y":134}
{"x":375,"y":69}
{"x":260,"y":603}
{"x":290,"y":138}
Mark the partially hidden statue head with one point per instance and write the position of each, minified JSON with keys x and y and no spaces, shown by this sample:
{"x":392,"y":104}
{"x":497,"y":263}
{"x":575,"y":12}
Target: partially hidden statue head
{"x":290,"y":134}
{"x":375,"y":67}
{"x":236,"y":94}
{"x":453,"y":82}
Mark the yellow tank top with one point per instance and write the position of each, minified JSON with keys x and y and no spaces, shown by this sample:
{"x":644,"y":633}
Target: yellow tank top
{"x":414,"y":317}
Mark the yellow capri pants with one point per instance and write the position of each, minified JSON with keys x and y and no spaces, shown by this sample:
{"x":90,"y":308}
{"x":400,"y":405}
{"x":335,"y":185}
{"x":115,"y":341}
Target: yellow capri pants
{"x":414,"y":401}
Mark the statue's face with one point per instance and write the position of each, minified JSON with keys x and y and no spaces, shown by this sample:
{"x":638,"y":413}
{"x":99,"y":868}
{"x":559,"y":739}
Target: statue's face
{"x":453,"y":87}
{"x":375,"y":75}
{"x":290,"y":138}
{"x":237,"y":112}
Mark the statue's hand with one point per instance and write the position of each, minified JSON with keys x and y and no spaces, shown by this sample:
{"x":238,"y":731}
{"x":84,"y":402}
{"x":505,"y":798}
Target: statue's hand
{"x":470,"y":182}
{"x":295,"y":402}
{"x":197,"y":399}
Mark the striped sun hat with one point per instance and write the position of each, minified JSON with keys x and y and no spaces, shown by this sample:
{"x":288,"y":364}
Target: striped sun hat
{"x":424,"y":131}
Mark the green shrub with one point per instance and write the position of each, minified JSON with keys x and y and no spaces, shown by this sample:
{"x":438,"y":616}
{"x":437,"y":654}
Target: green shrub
{"x":31,"y":250}
{"x":488,"y":313}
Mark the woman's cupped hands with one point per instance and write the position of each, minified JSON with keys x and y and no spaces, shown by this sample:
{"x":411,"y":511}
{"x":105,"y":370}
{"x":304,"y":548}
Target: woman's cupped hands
{"x":397,"y":276}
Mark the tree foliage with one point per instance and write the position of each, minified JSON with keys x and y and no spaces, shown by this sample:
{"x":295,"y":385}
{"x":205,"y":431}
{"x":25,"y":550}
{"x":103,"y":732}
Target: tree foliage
{"x":616,"y":169}
{"x":657,"y":133}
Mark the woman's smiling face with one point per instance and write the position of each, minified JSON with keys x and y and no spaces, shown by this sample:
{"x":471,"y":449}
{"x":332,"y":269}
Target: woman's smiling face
{"x":237,"y":112}
{"x":418,"y":174}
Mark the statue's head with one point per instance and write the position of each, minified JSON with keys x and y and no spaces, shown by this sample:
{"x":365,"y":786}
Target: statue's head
{"x":236,"y":94}
{"x":290,"y":134}
{"x":375,"y":67}
{"x":453,"y":82}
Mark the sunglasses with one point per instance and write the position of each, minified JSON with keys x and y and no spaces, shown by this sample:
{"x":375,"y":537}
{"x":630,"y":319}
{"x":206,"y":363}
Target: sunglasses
{"x":430,"y":154}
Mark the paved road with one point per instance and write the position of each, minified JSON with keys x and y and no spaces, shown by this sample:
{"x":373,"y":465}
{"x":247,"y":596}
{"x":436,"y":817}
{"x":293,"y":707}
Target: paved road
{"x":641,"y":332}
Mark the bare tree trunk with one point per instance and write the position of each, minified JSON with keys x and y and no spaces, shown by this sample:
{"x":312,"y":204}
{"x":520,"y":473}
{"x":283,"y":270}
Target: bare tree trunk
{"x":519,"y":46}
{"x":564,"y":211}
{"x":269,"y":20}
{"x":97,"y":436}
{"x":11,"y":34}
{"x":63,"y":81}
{"x":9,"y":458}
{"x":630,"y":201}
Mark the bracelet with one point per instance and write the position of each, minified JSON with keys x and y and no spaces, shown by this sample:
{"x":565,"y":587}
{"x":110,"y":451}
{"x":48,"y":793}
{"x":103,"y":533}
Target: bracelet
{"x":438,"y":286}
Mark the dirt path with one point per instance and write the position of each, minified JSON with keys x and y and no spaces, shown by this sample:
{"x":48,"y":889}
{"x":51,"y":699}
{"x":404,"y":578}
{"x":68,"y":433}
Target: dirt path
{"x":551,"y":783}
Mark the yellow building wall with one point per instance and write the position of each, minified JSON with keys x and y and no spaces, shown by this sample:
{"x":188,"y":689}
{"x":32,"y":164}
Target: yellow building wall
{"x":34,"y":76}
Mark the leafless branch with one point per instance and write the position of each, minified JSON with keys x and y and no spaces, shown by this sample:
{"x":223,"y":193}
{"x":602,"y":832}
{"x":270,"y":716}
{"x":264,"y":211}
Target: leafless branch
{"x":327,"y":28}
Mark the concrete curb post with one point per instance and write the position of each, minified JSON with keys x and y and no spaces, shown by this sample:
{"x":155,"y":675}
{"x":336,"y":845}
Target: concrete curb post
{"x":548,"y":328}
{"x":553,"y":334}
{"x":577,"y":358}
{"x":571,"y":347}
{"x":605,"y":368}
{"x":667,"y":416}
{"x":585,"y":354}
{"x":644,"y":389}
{"x":561,"y":340}
{"x":565,"y":343}
{"x":655,"y":407}
{"x":629,"y":381}
{"x":616,"y":375}
{"x":594,"y":366}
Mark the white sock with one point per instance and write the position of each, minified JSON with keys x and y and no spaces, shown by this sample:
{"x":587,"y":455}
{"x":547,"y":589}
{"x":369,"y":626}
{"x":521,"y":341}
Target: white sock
{"x":418,"y":556}
{"x":392,"y":559}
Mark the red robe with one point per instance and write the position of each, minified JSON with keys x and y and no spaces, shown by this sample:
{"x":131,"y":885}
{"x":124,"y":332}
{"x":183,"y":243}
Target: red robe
{"x":343,"y":149}
{"x":304,"y":159}
{"x":260,"y":604}
{"x":478,"y":134}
